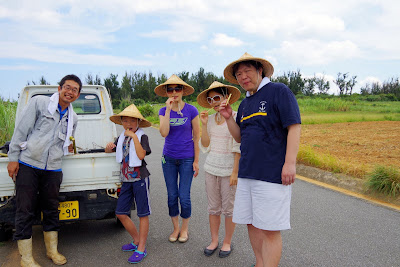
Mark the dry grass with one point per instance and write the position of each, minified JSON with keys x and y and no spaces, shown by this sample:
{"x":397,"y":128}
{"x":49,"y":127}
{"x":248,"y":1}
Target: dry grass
{"x":351,"y":148}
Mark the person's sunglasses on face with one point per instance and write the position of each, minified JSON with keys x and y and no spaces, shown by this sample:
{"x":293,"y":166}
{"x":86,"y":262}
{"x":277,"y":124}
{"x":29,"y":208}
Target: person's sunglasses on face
{"x":215,"y":98}
{"x":171,"y":89}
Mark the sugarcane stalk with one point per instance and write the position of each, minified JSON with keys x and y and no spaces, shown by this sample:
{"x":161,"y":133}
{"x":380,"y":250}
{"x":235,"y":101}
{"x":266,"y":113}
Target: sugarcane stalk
{"x":73,"y":143}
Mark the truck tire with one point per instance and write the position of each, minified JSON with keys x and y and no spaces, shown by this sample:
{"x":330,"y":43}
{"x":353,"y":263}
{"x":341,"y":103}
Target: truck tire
{"x":118,"y":223}
{"x":5,"y":233}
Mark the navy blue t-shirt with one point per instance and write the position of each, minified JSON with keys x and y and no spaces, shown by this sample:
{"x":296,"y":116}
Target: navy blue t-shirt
{"x":263,"y":119}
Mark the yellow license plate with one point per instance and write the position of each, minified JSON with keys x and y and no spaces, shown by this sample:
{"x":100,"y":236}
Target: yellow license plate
{"x":68,"y":210}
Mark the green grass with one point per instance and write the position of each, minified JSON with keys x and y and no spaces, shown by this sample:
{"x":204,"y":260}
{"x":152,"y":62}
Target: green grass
{"x":308,"y":156}
{"x":7,"y":120}
{"x":320,"y":105}
{"x":327,"y":162}
{"x":351,"y":116}
{"x":336,"y":110}
{"x":385,"y":180}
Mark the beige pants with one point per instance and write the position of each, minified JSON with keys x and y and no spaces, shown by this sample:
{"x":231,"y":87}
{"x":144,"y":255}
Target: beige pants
{"x":220,"y":194}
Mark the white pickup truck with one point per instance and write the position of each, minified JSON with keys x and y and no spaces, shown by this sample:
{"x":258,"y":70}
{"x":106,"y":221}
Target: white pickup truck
{"x":90,"y":185}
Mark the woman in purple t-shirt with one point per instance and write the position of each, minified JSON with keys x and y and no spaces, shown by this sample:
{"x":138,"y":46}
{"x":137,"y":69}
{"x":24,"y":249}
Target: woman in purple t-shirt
{"x":180,"y":125}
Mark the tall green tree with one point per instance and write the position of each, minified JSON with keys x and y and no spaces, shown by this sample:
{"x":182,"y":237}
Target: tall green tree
{"x":345,"y":83}
{"x":42,"y":81}
{"x":341,"y":82}
{"x":112,"y":84}
{"x":89,"y":79}
{"x":126,"y":87}
{"x":391,"y":86}
{"x":293,"y":80}
{"x":184,"y":75}
{"x":309,"y":86}
{"x":322,"y":85}
{"x":350,"y":85}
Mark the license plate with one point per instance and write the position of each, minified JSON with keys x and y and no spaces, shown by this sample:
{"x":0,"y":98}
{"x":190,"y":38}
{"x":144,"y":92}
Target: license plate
{"x":68,"y":210}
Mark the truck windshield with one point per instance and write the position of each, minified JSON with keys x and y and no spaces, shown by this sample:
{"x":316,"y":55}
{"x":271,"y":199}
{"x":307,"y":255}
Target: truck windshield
{"x":85,"y":104}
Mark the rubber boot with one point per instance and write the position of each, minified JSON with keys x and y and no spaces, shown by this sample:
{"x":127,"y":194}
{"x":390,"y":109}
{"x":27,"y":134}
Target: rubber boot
{"x":51,"y":242}
{"x":25,"y":249}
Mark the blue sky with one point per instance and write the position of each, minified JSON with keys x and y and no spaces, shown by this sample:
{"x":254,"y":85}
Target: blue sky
{"x":54,"y":38}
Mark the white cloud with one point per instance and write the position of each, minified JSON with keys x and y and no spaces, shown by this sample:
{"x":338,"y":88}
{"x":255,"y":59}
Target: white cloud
{"x":180,"y":30}
{"x":45,"y":54}
{"x":370,"y":80}
{"x":315,"y":52}
{"x":18,"y":67}
{"x":288,"y":19}
{"x":155,"y":56}
{"x":306,"y":32}
{"x":221,"y":39}
{"x":311,"y":25}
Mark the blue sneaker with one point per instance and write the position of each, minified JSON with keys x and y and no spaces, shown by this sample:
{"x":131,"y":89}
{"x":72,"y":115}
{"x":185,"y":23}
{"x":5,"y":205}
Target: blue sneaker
{"x":129,"y":247}
{"x":137,"y":256}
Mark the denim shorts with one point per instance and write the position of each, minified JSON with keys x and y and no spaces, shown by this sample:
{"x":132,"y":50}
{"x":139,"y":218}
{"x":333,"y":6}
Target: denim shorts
{"x":138,"y":191}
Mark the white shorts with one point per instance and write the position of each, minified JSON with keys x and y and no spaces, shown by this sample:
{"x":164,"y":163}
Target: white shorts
{"x":264,"y":205}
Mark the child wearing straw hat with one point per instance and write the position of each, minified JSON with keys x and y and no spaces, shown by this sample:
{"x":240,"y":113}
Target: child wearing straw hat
{"x":221,"y":165}
{"x":268,"y":127}
{"x":180,"y":125}
{"x":131,"y":147}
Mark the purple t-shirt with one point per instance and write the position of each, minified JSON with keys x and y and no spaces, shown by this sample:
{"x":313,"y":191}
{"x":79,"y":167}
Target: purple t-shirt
{"x":179,"y":141}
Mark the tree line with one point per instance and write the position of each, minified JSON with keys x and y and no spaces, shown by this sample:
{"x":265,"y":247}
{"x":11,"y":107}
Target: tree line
{"x":139,"y":86}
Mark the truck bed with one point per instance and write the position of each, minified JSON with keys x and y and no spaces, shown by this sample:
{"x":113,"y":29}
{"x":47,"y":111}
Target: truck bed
{"x":80,"y":172}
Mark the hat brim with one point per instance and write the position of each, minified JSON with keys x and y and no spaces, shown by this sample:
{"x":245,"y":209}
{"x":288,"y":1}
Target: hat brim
{"x":143,"y":123}
{"x":161,"y":89}
{"x":268,"y":69}
{"x":202,"y":97}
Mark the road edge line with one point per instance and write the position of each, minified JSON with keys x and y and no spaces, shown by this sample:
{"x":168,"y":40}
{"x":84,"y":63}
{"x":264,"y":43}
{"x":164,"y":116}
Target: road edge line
{"x":349,"y":193}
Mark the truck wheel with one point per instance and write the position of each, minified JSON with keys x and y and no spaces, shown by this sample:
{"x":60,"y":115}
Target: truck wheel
{"x":118,"y":222}
{"x":5,"y":233}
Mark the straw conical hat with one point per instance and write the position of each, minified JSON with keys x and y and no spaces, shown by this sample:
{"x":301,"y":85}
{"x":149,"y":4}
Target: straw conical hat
{"x":130,"y":111}
{"x":161,"y":89}
{"x":268,"y":69}
{"x":202,"y":97}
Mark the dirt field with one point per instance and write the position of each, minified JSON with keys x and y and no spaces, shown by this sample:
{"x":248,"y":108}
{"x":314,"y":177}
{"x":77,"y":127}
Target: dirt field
{"x":361,"y":144}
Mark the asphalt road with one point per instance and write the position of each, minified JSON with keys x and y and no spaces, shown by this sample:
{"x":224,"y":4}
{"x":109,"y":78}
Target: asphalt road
{"x":328,"y":229}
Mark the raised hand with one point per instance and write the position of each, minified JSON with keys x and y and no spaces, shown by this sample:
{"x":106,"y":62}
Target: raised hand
{"x":225,"y":109}
{"x":129,"y":133}
{"x":204,"y":117}
{"x":168,"y":103}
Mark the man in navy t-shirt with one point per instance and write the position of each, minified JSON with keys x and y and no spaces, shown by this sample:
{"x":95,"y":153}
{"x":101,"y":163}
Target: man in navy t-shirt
{"x":268,"y":127}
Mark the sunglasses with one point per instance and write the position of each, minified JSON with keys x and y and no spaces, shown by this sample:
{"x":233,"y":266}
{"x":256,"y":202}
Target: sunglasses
{"x":177,"y":89}
{"x":216,"y":98}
